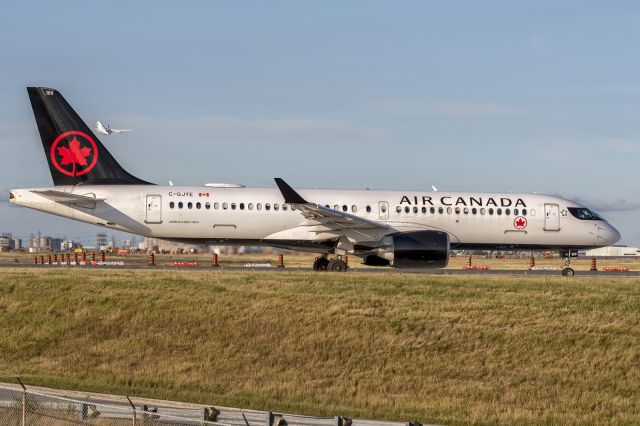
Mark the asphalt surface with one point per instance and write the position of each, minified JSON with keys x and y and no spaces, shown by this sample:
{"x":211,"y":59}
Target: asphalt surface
{"x":522,"y":272}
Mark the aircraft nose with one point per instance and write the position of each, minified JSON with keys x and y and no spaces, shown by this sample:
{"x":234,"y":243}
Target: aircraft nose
{"x":612,"y":235}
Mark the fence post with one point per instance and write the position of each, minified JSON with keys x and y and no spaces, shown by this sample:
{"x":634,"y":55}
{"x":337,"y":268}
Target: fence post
{"x":24,"y":403}
{"x":134,"y":410}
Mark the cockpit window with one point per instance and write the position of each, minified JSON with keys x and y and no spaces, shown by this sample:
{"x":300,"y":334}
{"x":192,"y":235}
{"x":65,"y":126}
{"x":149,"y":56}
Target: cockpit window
{"x":583,"y":213}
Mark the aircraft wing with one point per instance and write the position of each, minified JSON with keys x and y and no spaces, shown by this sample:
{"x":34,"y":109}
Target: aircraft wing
{"x":65,"y":197}
{"x":321,"y":215}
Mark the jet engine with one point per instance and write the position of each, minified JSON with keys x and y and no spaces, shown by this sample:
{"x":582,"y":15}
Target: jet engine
{"x":418,"y":249}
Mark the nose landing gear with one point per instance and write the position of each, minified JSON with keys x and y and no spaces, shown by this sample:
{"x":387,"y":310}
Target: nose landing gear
{"x":567,"y":271}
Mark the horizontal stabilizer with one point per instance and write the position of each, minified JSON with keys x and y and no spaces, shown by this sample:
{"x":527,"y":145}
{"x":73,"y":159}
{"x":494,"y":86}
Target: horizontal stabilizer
{"x":66,"y":198}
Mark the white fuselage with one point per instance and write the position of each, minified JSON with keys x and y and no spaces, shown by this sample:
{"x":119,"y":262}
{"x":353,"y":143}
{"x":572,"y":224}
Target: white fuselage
{"x":240,"y":215}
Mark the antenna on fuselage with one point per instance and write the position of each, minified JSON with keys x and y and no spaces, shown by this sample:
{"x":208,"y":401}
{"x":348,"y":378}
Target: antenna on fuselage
{"x":434,"y":188}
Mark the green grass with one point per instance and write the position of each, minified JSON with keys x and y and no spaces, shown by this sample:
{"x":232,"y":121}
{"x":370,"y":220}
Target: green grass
{"x":440,"y":349}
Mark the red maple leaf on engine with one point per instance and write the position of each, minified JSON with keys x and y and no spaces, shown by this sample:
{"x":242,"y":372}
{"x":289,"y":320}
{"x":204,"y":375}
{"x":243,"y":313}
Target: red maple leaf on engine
{"x":74,"y":154}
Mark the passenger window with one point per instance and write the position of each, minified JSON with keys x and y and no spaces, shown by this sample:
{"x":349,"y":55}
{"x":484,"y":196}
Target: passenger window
{"x":515,"y":212}
{"x":259,"y":206}
{"x":327,"y":206}
{"x":407,"y":209}
{"x":233,"y":206}
{"x":398,"y":209}
{"x":344,"y":208}
{"x":424,"y":210}
{"x":432,"y":210}
{"x":172,"y":205}
{"x":225,"y":206}
{"x":524,"y":212}
{"x":457,"y":210}
{"x":275,"y":206}
{"x":483,"y":211}
{"x":440,"y":210}
{"x":354,"y":208}
{"x":499,"y":211}
{"x":368,"y":209}
{"x":507,"y":212}
{"x":466,"y":210}
{"x":190,"y":205}
{"x":198,"y":205}
{"x":267,"y":206}
{"x":336,"y":207}
{"x":207,"y":205}
{"x":250,"y":206}
{"x":284,"y":207}
{"x":216,"y":206}
{"x":415,"y":209}
{"x":241,"y":206}
{"x":449,"y":210}
{"x":491,"y":211}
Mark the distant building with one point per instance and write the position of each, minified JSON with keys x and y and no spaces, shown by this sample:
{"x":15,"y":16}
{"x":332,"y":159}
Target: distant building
{"x":56,"y":244}
{"x":17,"y":244}
{"x":614,"y":251}
{"x":158,"y":245}
{"x":40,"y":244}
{"x":69,"y":245}
{"x":6,"y":242}
{"x":101,"y":240}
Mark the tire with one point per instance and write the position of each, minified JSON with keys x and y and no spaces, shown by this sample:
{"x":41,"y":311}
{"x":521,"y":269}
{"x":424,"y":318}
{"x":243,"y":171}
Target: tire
{"x":337,"y":266}
{"x":320,"y":264}
{"x":568,"y":272}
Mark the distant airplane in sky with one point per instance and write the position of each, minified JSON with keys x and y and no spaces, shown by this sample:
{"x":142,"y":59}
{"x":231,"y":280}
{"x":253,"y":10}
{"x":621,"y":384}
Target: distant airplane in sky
{"x":403,"y":229}
{"x":100,"y":128}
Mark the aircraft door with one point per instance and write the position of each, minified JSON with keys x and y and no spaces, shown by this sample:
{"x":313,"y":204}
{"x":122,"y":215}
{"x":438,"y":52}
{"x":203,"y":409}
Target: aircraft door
{"x":154,"y":209}
{"x":383,"y":208}
{"x":551,"y":217}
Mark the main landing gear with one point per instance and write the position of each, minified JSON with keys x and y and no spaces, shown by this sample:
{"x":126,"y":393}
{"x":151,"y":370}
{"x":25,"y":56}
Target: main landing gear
{"x":335,"y":265}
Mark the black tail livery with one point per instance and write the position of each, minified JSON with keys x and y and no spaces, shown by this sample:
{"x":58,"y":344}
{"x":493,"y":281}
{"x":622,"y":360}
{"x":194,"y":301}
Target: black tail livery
{"x":74,"y":153}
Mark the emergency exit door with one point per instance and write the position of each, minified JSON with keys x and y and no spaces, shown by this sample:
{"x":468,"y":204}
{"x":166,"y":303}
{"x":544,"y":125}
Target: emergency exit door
{"x":383,"y":210}
{"x":154,"y":209}
{"x":551,"y":217}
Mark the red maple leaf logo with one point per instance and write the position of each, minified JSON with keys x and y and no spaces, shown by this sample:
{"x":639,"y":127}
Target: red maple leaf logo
{"x":520,"y":223}
{"x":74,"y":154}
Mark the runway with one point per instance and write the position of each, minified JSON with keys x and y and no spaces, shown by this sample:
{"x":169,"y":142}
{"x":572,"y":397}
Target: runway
{"x":351,"y":270}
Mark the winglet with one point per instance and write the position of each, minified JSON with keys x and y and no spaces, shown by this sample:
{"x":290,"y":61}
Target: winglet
{"x":289,"y":194}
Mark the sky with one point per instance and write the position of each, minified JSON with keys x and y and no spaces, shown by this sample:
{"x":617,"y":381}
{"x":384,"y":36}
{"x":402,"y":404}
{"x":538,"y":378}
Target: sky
{"x":537,"y":96}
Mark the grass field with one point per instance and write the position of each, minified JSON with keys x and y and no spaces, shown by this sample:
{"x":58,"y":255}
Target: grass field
{"x":440,"y":349}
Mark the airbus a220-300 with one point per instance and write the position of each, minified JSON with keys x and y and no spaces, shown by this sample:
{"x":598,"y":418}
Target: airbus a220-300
{"x":402,"y":229}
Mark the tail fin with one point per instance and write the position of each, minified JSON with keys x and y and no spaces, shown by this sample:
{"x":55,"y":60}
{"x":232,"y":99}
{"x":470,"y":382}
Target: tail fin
{"x":74,"y":153}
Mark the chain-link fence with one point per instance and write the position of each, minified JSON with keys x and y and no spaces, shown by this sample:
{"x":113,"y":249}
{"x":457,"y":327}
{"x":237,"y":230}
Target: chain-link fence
{"x":34,"y":406}
{"x":22,"y":407}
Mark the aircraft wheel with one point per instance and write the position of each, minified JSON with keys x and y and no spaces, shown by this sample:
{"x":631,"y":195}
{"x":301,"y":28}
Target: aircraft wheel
{"x":320,"y":264}
{"x":337,"y":266}
{"x":568,"y":272}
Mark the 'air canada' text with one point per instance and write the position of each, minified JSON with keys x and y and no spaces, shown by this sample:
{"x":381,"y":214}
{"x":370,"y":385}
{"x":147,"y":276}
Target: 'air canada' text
{"x":463,"y":201}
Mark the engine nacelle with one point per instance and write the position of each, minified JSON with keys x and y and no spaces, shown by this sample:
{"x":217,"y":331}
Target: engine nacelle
{"x":420,"y":249}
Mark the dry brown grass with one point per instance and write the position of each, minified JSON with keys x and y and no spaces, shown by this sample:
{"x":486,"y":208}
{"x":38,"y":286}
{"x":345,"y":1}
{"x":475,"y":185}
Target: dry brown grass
{"x":451,"y":350}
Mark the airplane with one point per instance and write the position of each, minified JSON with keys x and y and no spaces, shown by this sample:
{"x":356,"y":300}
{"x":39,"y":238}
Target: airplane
{"x":401,"y":229}
{"x":100,"y":128}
